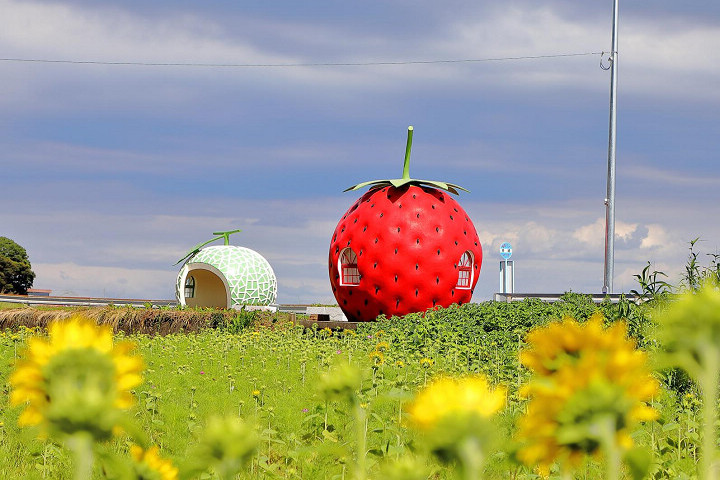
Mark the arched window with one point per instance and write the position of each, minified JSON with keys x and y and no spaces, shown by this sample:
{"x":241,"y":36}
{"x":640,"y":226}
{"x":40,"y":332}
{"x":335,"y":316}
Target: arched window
{"x":349,"y":273}
{"x":465,"y":271}
{"x":190,"y":287}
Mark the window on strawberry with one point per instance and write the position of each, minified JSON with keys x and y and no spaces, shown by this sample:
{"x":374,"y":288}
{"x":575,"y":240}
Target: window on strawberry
{"x":349,"y":273}
{"x":465,"y":270}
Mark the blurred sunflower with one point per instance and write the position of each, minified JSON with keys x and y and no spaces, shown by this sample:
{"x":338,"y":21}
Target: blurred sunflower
{"x":588,"y":390}
{"x":75,"y":380}
{"x":226,"y":446}
{"x":456,"y":417}
{"x":341,"y":382}
{"x":689,"y":333}
{"x":149,"y":465}
{"x":448,"y":396}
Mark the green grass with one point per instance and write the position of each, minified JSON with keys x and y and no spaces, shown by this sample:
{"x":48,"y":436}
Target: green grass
{"x":9,"y":305}
{"x":190,"y":377}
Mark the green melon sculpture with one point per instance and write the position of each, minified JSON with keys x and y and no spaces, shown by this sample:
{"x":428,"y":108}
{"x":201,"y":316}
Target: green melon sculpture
{"x":225,"y":276}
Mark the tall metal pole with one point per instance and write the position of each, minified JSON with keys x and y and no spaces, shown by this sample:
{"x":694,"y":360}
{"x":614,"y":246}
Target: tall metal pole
{"x":610,"y":197}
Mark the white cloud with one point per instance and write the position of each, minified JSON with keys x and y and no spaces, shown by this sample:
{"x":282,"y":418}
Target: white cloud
{"x":65,"y":32}
{"x":669,"y":177}
{"x":655,"y":58}
{"x":656,"y":237}
{"x":594,"y":233}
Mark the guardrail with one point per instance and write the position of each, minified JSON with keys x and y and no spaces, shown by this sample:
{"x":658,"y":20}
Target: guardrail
{"x":299,"y":309}
{"x":555,"y":297}
{"x":32,"y":300}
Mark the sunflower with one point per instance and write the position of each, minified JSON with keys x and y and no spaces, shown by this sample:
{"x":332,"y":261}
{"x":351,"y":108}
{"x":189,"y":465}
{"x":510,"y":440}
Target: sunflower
{"x":588,"y":383}
{"x":149,"y":465}
{"x":448,"y":396}
{"x":456,"y":416}
{"x":341,"y":382}
{"x":376,"y":357}
{"x":426,"y":362}
{"x":226,"y":445}
{"x":75,"y":380}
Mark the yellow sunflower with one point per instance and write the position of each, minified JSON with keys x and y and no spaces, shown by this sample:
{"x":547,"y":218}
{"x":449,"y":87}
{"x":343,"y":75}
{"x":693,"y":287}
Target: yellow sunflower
{"x":150,"y":465}
{"x":586,"y":380}
{"x":426,"y":362}
{"x":376,"y":357}
{"x":77,"y":379}
{"x":456,"y":419}
{"x":449,"y":397}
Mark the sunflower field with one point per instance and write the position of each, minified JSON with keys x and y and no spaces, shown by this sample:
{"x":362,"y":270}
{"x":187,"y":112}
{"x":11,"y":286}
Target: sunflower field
{"x":521,"y":390}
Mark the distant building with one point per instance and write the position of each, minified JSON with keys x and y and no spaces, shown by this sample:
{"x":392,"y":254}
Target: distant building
{"x":38,"y":292}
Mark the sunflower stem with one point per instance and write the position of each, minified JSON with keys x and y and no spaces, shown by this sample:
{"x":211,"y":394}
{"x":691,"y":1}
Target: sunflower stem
{"x":709,"y":387}
{"x":359,"y":414}
{"x":471,"y":459}
{"x":408,"y":147}
{"x":81,"y":446}
{"x":612,"y":449}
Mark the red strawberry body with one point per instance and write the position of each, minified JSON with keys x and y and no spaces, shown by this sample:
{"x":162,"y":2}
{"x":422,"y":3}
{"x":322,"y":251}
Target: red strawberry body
{"x":408,"y":243}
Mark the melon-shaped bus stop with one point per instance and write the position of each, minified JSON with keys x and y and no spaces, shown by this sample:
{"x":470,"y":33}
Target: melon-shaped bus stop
{"x":225,"y":276}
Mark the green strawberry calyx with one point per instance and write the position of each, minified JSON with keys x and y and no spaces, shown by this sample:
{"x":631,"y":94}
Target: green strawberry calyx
{"x":406,"y":180}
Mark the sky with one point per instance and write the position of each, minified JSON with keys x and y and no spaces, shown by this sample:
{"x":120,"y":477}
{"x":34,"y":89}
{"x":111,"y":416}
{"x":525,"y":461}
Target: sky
{"x":113,"y":163}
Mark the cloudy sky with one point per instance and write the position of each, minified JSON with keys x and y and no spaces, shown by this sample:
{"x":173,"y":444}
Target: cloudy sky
{"x":114,"y":163}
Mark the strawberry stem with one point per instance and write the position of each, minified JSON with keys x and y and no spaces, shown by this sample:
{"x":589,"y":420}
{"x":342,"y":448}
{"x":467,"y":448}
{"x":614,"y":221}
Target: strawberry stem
{"x":408,"y":147}
{"x":406,"y":180}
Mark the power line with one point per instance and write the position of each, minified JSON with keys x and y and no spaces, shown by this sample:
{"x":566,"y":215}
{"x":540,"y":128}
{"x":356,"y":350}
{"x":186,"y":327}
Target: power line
{"x":288,"y":65}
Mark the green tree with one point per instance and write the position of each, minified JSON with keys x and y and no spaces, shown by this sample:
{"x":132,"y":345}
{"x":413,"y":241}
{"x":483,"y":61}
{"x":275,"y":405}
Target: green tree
{"x":16,"y":274}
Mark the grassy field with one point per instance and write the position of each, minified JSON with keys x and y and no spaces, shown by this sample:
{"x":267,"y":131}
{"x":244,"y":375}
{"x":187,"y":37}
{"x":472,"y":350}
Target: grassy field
{"x":270,"y":372}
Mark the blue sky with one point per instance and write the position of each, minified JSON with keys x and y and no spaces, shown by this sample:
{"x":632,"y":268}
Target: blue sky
{"x":111,"y":172}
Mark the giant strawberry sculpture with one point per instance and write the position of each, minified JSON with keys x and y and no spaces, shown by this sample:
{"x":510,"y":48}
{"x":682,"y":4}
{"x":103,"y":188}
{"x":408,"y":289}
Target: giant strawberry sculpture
{"x":405,"y":246}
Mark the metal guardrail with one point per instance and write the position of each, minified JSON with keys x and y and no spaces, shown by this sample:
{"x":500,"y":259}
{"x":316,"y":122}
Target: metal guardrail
{"x":293,"y":308}
{"x":300,"y":309}
{"x":32,"y":300}
{"x":555,"y":297}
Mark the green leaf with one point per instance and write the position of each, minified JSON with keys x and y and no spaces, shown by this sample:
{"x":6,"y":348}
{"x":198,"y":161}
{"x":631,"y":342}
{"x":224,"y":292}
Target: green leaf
{"x":329,"y":436}
{"x":669,"y":426}
{"x":638,"y":461}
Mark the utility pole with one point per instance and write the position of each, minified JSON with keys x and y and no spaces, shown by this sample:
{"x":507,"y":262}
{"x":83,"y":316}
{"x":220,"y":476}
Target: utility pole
{"x":610,"y":197}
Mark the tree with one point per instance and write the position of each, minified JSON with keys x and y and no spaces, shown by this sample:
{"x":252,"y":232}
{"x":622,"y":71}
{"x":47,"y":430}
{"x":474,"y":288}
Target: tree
{"x":16,"y":274}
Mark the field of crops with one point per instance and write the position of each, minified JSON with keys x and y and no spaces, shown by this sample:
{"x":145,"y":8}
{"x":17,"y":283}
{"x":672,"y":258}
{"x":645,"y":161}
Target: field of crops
{"x":251,"y":399}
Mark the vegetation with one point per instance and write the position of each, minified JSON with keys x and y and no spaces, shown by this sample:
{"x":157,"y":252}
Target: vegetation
{"x":311,"y":414}
{"x":16,"y":274}
{"x":694,"y":276}
{"x":129,"y":319}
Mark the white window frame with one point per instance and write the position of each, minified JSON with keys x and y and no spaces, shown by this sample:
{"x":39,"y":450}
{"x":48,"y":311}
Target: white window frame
{"x":466,"y":268}
{"x":348,"y":269}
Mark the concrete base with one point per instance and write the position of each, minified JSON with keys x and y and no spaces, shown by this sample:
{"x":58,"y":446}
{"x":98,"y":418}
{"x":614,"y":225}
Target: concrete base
{"x":332,"y":314}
